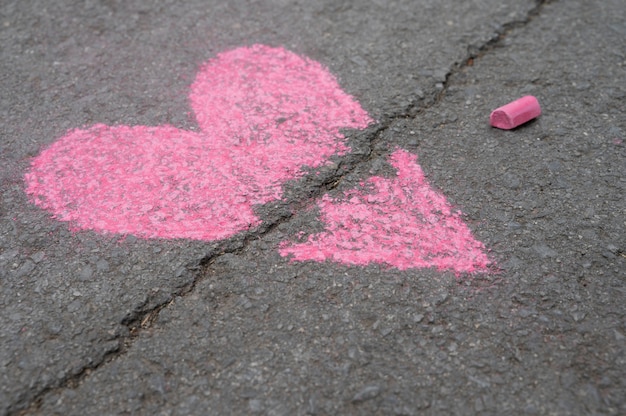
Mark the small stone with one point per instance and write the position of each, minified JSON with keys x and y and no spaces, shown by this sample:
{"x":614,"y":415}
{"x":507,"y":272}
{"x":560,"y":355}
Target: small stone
{"x":102,"y":265}
{"x":578,"y":316}
{"x":244,"y":302}
{"x":511,"y":181}
{"x":54,"y":328}
{"x":74,"y":306}
{"x":367,"y":393}
{"x":9,"y":254}
{"x":513,"y":225}
{"x":525,"y":312}
{"x":312,"y":406}
{"x":37,"y":257}
{"x":478,"y":405}
{"x":26,"y":268}
{"x":86,"y":273}
{"x":482,"y":383}
{"x":608,"y":255}
{"x":544,"y":251}
{"x":255,"y":406}
{"x":441,"y":74}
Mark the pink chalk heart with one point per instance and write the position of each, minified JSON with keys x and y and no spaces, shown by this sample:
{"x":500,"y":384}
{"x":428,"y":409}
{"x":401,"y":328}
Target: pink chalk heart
{"x":401,"y":222}
{"x":264,"y":114}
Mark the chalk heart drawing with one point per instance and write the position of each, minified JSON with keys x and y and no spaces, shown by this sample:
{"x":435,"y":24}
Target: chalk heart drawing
{"x":264,"y":114}
{"x":401,"y":222}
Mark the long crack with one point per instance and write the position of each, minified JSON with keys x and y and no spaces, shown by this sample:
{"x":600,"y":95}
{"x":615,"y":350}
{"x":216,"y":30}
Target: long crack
{"x":143,"y":317}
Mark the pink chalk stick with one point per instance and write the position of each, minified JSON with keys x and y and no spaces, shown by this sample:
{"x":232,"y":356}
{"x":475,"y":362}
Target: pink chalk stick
{"x":515,"y":113}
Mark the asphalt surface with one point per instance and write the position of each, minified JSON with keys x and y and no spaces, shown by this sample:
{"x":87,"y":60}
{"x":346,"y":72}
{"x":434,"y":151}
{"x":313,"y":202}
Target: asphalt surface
{"x":109,"y":324}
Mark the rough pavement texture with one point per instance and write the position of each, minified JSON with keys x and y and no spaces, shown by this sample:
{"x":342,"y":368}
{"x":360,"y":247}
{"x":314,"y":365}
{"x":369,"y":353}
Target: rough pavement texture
{"x":251,"y":332}
{"x":68,"y":299}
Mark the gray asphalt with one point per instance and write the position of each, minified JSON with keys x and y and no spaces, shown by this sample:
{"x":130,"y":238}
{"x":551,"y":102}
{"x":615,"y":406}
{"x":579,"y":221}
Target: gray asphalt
{"x":107,"y":324}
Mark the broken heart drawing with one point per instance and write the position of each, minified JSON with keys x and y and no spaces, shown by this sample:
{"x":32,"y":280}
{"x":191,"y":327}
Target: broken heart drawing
{"x":401,"y":222}
{"x":264,"y":114}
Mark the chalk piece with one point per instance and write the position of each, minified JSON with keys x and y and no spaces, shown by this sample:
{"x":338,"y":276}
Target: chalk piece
{"x":515,"y":113}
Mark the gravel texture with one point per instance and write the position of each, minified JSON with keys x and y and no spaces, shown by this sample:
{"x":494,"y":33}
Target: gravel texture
{"x":105,"y":324}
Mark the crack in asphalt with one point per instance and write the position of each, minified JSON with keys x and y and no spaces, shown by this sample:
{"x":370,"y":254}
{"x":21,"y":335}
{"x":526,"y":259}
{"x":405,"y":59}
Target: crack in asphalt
{"x":145,"y":314}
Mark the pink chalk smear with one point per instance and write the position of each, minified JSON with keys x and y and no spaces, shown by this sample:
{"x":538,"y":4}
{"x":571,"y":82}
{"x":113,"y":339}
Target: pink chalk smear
{"x":264,"y":114}
{"x":401,"y":222}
